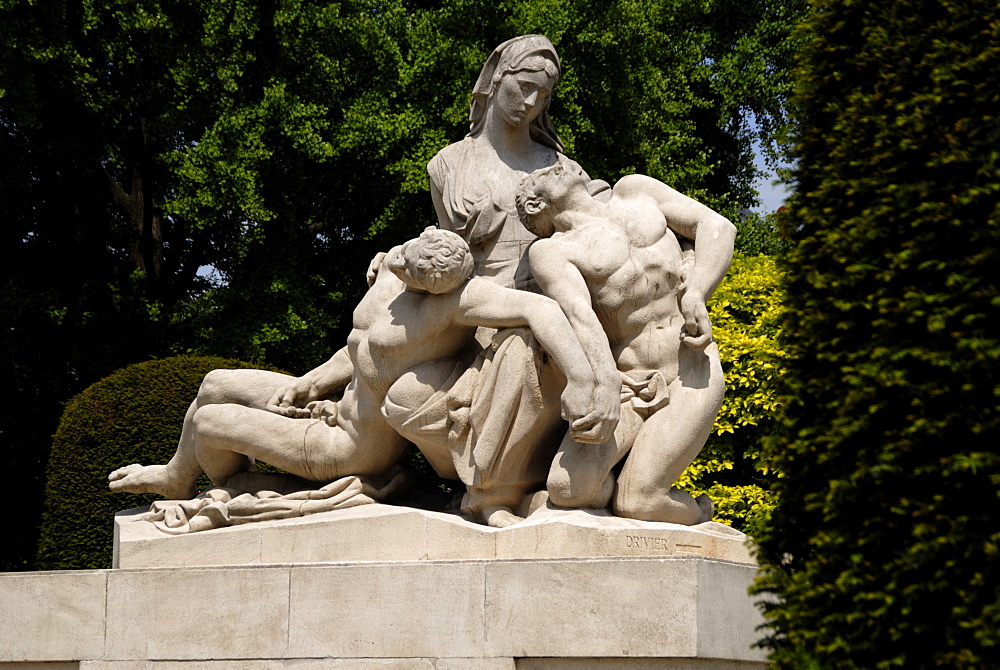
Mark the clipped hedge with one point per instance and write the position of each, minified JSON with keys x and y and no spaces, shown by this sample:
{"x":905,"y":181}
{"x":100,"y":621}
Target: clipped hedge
{"x":131,"y":416}
{"x":883,"y":550}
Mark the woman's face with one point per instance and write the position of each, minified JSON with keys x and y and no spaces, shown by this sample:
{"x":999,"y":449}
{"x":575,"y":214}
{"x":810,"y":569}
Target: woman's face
{"x":521,"y":96}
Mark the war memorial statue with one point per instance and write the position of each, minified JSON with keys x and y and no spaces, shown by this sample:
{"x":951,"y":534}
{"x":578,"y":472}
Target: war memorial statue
{"x":548,"y":346}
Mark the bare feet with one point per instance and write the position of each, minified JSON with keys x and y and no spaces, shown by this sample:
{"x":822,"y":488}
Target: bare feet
{"x":500,"y":517}
{"x":706,"y":506}
{"x":157,"y":479}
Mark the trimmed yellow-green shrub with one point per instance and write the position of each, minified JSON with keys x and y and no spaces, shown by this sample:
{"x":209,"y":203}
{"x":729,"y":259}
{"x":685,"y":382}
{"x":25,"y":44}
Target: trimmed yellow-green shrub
{"x":745,"y":313}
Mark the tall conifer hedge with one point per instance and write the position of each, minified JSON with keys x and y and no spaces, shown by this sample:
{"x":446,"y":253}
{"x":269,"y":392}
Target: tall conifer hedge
{"x":883,"y":548}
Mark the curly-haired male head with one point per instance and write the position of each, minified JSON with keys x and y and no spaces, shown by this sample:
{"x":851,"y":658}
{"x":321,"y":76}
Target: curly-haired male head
{"x":438,"y":261}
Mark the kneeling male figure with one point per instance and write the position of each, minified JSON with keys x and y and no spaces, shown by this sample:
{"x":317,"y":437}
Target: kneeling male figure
{"x":636,"y":301}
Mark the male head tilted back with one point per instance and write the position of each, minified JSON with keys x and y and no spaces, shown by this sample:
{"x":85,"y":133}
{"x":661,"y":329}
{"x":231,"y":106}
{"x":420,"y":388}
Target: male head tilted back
{"x":540,"y":193}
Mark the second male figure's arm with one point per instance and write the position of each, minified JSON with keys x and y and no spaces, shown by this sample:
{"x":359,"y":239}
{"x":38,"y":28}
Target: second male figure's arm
{"x":562,"y":281}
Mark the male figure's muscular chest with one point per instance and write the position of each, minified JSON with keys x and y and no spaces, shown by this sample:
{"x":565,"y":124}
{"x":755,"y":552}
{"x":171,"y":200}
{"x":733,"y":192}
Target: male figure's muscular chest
{"x":634,"y":257}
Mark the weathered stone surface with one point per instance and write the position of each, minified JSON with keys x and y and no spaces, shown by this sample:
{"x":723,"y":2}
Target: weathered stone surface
{"x":635,"y":664}
{"x":52,"y":616}
{"x":198,"y":613}
{"x":389,"y":533}
{"x":290,"y":664}
{"x":556,"y":533}
{"x":727,"y":624}
{"x":444,"y":615}
{"x":376,"y":533}
{"x":648,"y":607}
{"x":413,"y":609}
{"x":644,"y":607}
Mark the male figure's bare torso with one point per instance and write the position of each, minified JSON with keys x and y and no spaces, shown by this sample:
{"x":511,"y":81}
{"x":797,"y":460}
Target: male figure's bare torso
{"x":387,"y":323}
{"x":631,"y":262}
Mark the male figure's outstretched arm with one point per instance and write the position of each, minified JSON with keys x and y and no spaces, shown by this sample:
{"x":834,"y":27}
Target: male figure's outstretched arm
{"x":484,"y":303}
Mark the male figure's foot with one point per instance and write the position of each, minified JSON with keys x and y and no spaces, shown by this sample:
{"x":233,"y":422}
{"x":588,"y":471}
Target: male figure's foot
{"x":500,"y":517}
{"x":156,"y":479}
{"x":706,"y":506}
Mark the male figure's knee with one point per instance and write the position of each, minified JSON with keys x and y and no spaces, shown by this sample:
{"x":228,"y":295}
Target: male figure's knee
{"x":208,"y":420}
{"x":580,"y":491}
{"x":216,"y":387}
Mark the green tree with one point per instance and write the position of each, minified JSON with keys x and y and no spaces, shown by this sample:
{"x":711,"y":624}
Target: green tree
{"x":284,"y":143}
{"x":883,"y":548}
{"x":143,"y":141}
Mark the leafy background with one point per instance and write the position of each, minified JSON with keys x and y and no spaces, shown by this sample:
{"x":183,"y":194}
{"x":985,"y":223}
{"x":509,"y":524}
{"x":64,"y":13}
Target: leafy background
{"x":212,"y":178}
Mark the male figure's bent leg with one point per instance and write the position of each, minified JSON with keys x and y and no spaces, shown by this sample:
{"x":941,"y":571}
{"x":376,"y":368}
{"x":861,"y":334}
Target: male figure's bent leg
{"x":176,"y":480}
{"x":580,"y":476}
{"x":669,"y":441}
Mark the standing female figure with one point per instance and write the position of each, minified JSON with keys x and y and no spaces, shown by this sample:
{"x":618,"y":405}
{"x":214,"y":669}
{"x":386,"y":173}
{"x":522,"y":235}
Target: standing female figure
{"x":497,"y":409}
{"x":510,"y":135}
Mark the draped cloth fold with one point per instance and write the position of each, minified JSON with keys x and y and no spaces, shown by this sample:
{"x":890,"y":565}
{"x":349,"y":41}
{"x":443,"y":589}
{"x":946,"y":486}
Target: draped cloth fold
{"x":221,"y":507}
{"x":496,"y":421}
{"x":648,"y":391}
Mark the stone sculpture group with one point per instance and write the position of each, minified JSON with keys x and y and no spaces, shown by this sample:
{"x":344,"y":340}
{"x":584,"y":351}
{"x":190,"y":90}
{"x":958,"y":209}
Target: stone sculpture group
{"x":549,"y":344}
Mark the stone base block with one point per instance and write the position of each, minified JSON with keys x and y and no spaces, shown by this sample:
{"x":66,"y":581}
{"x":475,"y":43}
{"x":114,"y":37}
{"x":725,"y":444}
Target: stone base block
{"x":389,"y":533}
{"x":639,"y":612}
{"x":402,"y":664}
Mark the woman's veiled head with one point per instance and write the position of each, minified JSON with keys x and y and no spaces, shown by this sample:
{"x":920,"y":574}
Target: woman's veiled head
{"x":532,"y":54}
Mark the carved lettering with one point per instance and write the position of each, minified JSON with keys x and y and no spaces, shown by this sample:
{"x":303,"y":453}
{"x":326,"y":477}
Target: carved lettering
{"x":648,"y":543}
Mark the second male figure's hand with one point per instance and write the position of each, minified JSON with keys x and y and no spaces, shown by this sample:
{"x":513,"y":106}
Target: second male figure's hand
{"x":291,"y":399}
{"x":697,"y":330}
{"x":598,"y":426}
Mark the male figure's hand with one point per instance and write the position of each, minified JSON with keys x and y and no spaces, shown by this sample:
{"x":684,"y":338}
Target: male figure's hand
{"x":697,"y":330}
{"x":291,"y":399}
{"x":324,"y":410}
{"x":599,"y":424}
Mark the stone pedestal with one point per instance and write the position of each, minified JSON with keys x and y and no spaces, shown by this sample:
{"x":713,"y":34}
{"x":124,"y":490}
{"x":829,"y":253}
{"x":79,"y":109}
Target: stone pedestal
{"x":233,"y":599}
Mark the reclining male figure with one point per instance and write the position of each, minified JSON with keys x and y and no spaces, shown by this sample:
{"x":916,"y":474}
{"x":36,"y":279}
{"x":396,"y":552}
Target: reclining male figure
{"x":422,"y":307}
{"x":637,"y":304}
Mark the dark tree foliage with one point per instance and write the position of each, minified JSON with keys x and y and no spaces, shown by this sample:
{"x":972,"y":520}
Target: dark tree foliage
{"x":884,"y":545}
{"x":283,"y":143}
{"x":131,"y":416}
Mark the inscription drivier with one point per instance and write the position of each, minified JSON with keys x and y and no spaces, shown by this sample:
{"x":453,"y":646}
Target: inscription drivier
{"x":652,"y":543}
{"x":648,"y":542}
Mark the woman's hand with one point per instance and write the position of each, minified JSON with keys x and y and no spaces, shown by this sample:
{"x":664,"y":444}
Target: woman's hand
{"x":372,"y":274}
